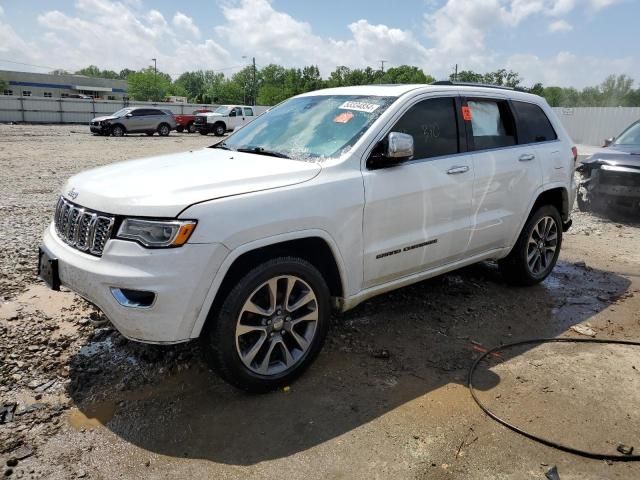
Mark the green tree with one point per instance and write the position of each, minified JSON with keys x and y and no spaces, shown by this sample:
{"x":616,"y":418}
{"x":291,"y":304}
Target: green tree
{"x":124,"y":73}
{"x":59,"y":71}
{"x":147,"y":85}
{"x":94,"y":71}
{"x":406,"y":74}
{"x":3,"y":85}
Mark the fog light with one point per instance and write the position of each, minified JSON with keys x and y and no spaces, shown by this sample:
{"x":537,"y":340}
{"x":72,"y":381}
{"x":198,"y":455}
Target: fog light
{"x":133,"y":298}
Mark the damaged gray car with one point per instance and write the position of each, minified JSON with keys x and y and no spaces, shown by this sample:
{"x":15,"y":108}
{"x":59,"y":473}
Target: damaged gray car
{"x":611,"y":176}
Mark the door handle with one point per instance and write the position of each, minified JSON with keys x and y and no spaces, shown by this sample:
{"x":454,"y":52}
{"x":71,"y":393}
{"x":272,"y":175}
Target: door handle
{"x":526,"y":157}
{"x":458,"y":169}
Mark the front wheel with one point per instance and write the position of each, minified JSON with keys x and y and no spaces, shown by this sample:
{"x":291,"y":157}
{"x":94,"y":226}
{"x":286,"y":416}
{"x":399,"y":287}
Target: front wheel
{"x":191,"y":128}
{"x":271,"y":325}
{"x":219,"y":129}
{"x":536,"y":251}
{"x":117,"y":130}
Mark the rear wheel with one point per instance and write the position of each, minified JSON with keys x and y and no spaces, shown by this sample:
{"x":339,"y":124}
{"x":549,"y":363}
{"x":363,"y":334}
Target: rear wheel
{"x":536,"y":252}
{"x":271,"y":325}
{"x":191,"y":128}
{"x":180,"y":129}
{"x":117,"y":130}
{"x":163,"y":129}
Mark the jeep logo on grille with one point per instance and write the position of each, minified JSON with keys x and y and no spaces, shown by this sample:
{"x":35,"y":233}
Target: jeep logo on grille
{"x":73,"y":194}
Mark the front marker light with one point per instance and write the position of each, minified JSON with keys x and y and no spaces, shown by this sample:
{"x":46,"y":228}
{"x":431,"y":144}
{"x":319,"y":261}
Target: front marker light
{"x":157,"y":233}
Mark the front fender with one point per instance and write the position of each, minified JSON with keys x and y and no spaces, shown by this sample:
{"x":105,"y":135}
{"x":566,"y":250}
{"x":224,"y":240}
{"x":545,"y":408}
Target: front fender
{"x":248,"y":247}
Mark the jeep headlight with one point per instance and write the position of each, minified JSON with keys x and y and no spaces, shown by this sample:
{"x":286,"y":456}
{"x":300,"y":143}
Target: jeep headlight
{"x":156,"y":233}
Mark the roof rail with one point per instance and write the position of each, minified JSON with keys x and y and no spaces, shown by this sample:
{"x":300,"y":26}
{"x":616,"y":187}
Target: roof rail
{"x":473,"y":84}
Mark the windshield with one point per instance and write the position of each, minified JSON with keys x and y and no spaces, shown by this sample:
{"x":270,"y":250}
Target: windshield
{"x":631,"y":136}
{"x":311,"y":128}
{"x":121,"y":112}
{"x":222,"y":110}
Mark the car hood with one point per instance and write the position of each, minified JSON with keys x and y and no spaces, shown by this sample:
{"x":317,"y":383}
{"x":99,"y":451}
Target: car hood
{"x":105,"y":117}
{"x":616,"y":155}
{"x":164,"y":186}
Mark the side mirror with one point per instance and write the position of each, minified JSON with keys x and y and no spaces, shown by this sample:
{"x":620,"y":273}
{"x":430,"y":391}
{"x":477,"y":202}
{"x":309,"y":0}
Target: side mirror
{"x":129,"y":115}
{"x":398,"y":146}
{"x":232,"y":113}
{"x":608,"y":141}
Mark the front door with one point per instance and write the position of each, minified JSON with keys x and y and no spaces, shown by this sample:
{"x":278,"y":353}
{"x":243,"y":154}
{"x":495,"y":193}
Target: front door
{"x":235,"y":118}
{"x":417,"y":213}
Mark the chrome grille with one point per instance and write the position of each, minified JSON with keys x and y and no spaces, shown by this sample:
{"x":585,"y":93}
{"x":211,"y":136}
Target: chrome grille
{"x":84,"y":229}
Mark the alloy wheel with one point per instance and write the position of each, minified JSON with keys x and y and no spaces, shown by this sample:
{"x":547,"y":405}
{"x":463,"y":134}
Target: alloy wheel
{"x":277,"y":325}
{"x":542,"y":245}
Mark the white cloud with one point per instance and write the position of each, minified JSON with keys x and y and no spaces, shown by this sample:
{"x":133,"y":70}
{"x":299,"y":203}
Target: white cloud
{"x":184,"y":22}
{"x":560,"y":26}
{"x":118,"y":37}
{"x":568,"y":69}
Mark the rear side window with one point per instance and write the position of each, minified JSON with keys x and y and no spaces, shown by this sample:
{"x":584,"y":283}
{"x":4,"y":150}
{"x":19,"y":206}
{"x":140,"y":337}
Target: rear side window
{"x":434,"y":127}
{"x":534,"y":126}
{"x":248,"y":112}
{"x":492,"y":124}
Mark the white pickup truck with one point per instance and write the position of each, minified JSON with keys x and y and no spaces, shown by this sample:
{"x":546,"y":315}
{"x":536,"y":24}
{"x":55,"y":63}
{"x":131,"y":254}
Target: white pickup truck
{"x":324,"y":201}
{"x":226,"y":118}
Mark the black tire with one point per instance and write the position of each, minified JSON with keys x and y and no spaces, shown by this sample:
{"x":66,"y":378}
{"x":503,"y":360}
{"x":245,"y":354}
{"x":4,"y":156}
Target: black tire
{"x":180,"y":129}
{"x":164,"y":129}
{"x":583,"y":205}
{"x":117,"y":130}
{"x":219,"y":129}
{"x":191,"y":127}
{"x":219,"y":337}
{"x":515,"y":267}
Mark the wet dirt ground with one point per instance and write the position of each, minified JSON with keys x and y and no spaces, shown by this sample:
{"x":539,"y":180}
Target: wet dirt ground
{"x":387,"y":397}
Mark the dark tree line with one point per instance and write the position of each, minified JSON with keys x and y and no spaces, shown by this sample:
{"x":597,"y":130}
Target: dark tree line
{"x":274,"y":83}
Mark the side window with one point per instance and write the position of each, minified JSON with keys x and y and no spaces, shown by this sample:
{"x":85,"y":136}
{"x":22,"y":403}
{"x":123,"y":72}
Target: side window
{"x":248,"y":112}
{"x":26,"y":93}
{"x":533,"y":124}
{"x":492,"y":124}
{"x":47,"y":95}
{"x":139,"y":112}
{"x":434,"y":127}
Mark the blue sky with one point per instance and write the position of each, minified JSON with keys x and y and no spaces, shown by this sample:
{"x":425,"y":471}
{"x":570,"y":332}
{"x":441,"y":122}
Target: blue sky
{"x":561,"y":42}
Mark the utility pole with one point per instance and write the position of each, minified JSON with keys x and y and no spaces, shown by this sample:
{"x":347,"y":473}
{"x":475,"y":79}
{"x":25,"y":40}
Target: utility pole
{"x":382,"y":62}
{"x":155,"y":75}
{"x":455,"y":75}
{"x":253,"y":83}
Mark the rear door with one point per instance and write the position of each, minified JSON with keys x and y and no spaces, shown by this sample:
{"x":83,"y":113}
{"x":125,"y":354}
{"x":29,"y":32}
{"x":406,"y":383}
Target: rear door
{"x":535,"y":129}
{"x":417,"y":213}
{"x":506,"y":174}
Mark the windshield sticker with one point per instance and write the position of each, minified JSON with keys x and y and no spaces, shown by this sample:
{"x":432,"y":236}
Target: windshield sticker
{"x":359,"y":106}
{"x":344,"y":117}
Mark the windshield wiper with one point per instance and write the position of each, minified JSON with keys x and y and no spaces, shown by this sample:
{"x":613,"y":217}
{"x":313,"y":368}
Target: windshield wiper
{"x":262,"y":151}
{"x":222,"y":146}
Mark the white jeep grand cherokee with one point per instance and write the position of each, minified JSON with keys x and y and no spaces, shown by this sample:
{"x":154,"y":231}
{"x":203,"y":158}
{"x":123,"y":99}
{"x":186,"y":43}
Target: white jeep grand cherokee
{"x":326,"y":200}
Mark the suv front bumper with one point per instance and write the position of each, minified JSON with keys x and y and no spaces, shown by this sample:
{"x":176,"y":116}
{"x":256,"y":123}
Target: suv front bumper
{"x":180,"y":278}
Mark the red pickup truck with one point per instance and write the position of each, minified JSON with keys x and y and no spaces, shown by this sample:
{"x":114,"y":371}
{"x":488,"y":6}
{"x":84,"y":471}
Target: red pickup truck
{"x":185,"y":122}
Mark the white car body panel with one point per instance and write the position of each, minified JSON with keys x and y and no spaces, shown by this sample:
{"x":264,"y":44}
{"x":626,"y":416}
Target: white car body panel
{"x":243,"y":201}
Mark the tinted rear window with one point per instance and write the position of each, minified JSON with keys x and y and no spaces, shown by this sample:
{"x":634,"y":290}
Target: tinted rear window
{"x":491,"y":124}
{"x":534,"y":126}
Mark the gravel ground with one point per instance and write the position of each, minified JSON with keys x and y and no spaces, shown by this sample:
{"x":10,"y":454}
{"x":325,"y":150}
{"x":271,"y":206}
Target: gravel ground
{"x":386,"y":398}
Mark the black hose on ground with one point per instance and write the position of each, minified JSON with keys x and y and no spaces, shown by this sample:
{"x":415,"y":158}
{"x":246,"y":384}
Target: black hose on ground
{"x":544,"y":441}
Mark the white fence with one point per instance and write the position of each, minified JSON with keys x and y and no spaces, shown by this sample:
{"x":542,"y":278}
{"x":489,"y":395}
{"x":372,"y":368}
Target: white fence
{"x":591,"y":125}
{"x":586,"y":125}
{"x":73,"y":110}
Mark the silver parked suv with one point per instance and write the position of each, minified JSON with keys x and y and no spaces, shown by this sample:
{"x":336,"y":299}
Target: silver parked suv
{"x":135,"y":120}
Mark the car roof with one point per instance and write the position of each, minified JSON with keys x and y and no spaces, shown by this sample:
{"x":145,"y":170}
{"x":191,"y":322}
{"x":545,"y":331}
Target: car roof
{"x":397,"y":90}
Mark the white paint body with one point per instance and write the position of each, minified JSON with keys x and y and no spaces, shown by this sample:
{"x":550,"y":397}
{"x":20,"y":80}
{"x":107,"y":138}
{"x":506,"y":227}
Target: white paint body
{"x":244,"y":201}
{"x":233,"y":122}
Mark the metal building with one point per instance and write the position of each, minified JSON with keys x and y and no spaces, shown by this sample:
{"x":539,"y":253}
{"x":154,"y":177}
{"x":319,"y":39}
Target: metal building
{"x":46,"y":85}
